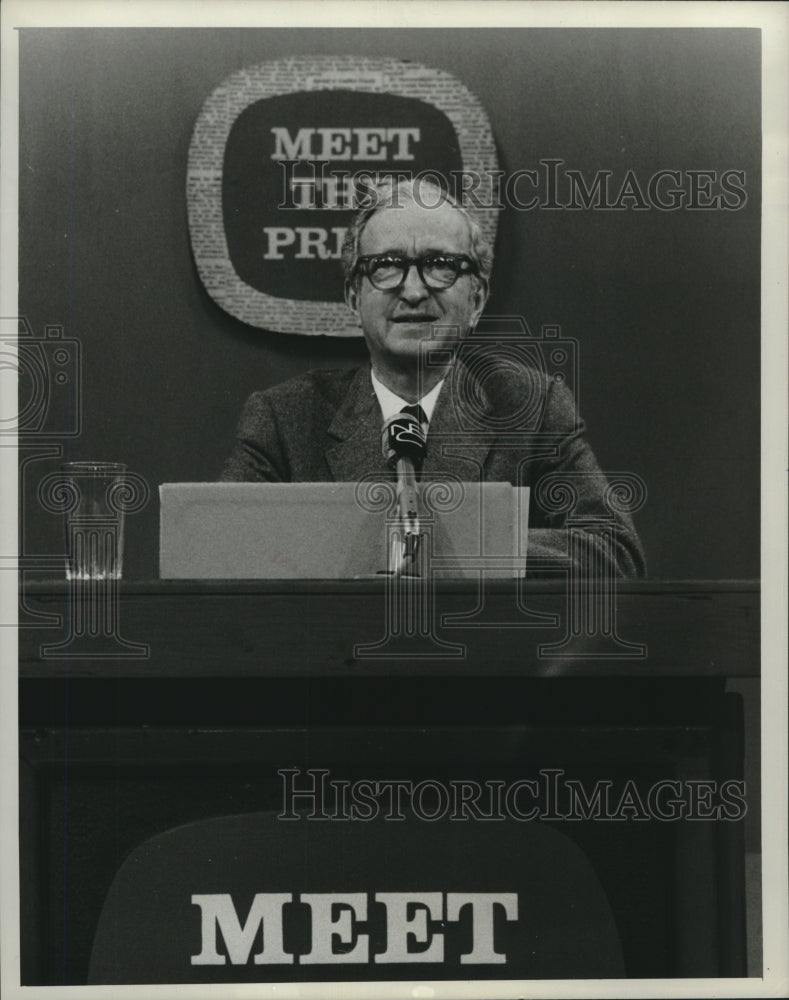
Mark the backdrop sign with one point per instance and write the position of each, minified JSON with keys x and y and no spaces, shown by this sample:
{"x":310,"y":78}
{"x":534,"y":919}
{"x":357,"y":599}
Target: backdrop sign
{"x":276,"y":157}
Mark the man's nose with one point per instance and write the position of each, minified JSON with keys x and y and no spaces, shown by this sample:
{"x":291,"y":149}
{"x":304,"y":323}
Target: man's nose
{"x":413,"y":288}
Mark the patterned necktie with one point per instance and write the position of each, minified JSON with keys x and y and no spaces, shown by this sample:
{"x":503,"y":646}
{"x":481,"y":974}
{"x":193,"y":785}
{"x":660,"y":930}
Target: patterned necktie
{"x":415,"y":410}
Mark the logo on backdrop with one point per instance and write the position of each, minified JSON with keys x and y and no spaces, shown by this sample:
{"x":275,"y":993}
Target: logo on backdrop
{"x":275,"y":159}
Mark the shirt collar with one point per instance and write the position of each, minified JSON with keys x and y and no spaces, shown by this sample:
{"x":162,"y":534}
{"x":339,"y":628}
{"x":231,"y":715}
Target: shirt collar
{"x":391,"y":403}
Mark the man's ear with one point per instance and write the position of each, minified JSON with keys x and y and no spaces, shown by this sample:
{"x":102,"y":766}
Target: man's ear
{"x":479,"y":297}
{"x":352,"y":297}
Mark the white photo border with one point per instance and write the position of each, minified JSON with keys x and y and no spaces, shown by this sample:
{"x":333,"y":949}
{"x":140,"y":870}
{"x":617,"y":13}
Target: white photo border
{"x":773,"y":19}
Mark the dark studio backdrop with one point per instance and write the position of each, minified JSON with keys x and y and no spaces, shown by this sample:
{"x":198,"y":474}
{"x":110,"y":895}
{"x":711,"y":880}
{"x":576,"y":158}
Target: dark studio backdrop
{"x":665,"y":304}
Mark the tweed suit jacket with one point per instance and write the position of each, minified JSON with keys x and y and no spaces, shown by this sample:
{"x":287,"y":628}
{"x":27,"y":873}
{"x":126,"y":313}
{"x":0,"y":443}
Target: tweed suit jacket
{"x":514,"y":426}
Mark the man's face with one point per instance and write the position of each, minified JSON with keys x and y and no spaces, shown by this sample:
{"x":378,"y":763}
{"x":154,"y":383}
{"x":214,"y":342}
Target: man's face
{"x":396,"y":321}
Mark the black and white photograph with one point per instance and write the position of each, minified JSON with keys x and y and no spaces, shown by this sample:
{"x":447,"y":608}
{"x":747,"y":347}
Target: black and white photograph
{"x":394,"y":425}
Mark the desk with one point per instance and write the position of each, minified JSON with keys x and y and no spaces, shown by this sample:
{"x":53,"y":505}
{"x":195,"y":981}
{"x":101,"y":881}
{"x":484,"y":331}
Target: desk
{"x":241,"y":677}
{"x":305,"y":628}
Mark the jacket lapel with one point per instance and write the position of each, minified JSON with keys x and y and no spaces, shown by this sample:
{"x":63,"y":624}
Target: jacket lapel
{"x":458,"y":442}
{"x":354,"y":450}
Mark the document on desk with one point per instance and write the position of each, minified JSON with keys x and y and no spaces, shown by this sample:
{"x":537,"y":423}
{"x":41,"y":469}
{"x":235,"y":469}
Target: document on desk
{"x":263,"y":531}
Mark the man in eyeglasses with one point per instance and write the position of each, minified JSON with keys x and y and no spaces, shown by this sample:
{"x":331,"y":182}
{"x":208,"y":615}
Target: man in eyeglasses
{"x":416,"y":277}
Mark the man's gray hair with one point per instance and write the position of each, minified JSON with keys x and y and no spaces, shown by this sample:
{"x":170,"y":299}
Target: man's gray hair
{"x":386,"y":192}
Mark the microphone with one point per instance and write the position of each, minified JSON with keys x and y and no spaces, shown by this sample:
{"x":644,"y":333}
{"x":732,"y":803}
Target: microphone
{"x":404,"y":447}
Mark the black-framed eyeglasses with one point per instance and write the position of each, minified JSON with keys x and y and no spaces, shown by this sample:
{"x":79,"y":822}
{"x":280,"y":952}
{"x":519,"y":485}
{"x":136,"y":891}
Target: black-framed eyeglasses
{"x":387,"y":271}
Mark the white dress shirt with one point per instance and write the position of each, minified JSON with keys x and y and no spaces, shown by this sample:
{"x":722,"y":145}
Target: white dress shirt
{"x":391,"y":403}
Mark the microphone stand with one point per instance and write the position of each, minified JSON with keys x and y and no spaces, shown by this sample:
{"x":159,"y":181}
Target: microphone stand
{"x":408,"y":503}
{"x":403,"y":443}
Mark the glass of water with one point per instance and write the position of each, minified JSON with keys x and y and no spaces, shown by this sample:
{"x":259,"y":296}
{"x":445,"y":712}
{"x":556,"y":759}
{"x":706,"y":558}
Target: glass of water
{"x":94,"y":513}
